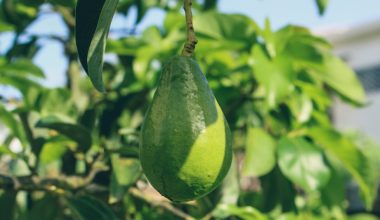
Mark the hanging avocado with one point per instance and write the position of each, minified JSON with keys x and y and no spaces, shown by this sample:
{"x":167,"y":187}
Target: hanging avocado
{"x":186,"y":143}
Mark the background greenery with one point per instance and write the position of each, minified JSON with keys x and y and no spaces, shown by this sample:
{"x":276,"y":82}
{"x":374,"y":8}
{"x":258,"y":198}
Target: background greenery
{"x":79,"y":147}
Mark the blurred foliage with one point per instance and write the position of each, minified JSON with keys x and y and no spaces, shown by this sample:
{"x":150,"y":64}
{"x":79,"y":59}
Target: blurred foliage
{"x":72,"y":152}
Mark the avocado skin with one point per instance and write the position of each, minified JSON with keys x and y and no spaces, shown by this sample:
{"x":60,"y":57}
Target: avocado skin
{"x":185,"y":148}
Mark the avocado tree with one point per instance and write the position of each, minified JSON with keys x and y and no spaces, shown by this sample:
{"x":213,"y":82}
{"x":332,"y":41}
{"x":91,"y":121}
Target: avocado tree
{"x":78,"y":145}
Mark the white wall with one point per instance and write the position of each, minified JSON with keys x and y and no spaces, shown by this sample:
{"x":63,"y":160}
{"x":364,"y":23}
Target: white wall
{"x":366,"y":119}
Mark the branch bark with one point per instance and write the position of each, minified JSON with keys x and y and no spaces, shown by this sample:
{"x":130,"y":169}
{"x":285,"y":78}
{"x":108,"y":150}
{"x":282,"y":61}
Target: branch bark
{"x":58,"y":185}
{"x":165,"y":205}
{"x":192,"y":41}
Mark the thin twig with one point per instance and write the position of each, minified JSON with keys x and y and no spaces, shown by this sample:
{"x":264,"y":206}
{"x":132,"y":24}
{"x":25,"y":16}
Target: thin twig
{"x":165,"y":205}
{"x":61,"y":184}
{"x":191,"y":42}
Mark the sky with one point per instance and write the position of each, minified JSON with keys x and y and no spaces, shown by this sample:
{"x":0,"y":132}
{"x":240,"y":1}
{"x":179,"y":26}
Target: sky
{"x":280,"y":13}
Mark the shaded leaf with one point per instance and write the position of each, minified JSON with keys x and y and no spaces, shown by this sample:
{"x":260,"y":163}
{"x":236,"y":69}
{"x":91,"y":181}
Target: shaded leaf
{"x":74,"y":131}
{"x":260,"y":156}
{"x":322,"y":4}
{"x":45,"y":209}
{"x":280,"y":189}
{"x":89,"y":208}
{"x":8,"y":205}
{"x":93,"y":20}
{"x":333,"y":193}
{"x":302,"y":163}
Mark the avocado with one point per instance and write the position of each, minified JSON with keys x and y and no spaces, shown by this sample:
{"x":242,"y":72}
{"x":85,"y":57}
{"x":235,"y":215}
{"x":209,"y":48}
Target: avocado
{"x":186,"y":148}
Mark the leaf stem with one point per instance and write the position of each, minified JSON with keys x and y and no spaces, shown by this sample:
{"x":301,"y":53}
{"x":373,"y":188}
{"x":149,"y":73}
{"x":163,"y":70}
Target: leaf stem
{"x":191,"y":42}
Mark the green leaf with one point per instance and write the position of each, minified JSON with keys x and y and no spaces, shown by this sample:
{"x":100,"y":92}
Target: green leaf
{"x":339,"y":76}
{"x":74,"y":131}
{"x":333,"y":193}
{"x":58,"y":101}
{"x":21,"y":83}
{"x":230,"y":186}
{"x":223,"y":31}
{"x":47,"y":208}
{"x":301,"y":107}
{"x":362,"y":217}
{"x":246,"y":213}
{"x":302,"y":163}
{"x":173,"y":20}
{"x":13,"y":124}
{"x":22,"y":67}
{"x":66,"y":3}
{"x":126,"y":170}
{"x":89,"y":208}
{"x":276,"y":75}
{"x":281,"y":192}
{"x":353,"y":160}
{"x":5,"y":150}
{"x":93,"y":20}
{"x":322,"y":4}
{"x":54,"y":149}
{"x":260,"y":156}
{"x":8,"y":204}
{"x":4,"y":27}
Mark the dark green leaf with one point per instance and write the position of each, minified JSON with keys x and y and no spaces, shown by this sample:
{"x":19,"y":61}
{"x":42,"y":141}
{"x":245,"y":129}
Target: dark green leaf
{"x":260,"y":153}
{"x":333,"y":194}
{"x":8,"y":205}
{"x":45,"y":209}
{"x":93,"y":20}
{"x":74,"y":131}
{"x":280,"y":190}
{"x":89,"y":208}
{"x":302,"y":163}
{"x":322,"y":4}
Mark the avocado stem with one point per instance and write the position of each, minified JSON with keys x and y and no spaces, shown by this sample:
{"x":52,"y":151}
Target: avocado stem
{"x":191,"y":42}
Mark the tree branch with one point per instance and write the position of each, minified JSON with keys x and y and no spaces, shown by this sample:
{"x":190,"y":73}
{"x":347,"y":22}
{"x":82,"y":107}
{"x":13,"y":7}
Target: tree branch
{"x":191,"y":42}
{"x":165,"y":205}
{"x":58,"y":185}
